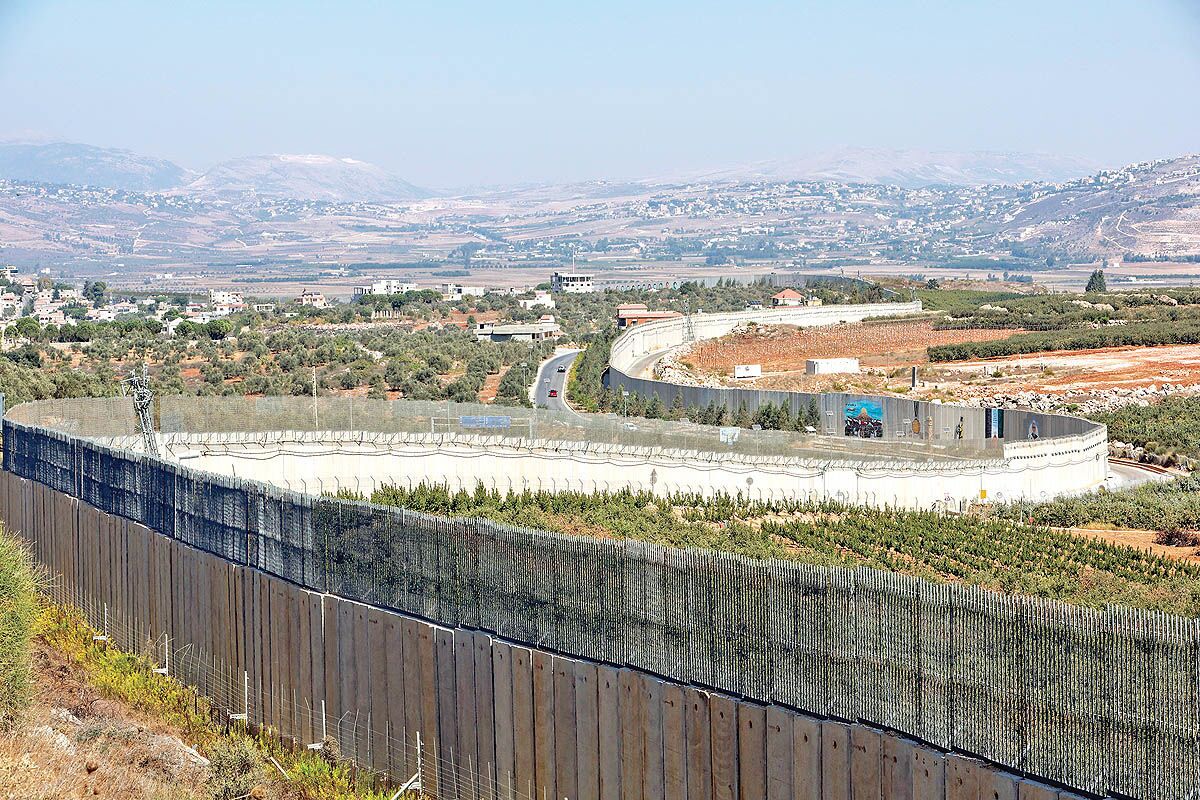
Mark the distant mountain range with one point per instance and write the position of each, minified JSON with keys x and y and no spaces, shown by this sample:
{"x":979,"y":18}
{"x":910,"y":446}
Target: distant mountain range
{"x":84,"y":165}
{"x":323,"y":177}
{"x":306,"y":177}
{"x":1150,"y":210}
{"x":301,"y":177}
{"x":912,"y":169}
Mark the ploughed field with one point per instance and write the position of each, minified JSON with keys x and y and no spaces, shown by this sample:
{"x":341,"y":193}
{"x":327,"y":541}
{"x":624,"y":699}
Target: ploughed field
{"x":887,"y":349}
{"x":783,"y":348}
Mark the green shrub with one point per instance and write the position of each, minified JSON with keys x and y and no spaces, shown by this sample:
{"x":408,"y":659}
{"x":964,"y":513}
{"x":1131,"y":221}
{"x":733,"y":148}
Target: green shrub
{"x":1172,"y":425}
{"x":235,"y":769}
{"x":18,"y":611}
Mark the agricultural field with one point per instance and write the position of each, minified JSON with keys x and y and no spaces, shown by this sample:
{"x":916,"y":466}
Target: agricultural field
{"x":258,"y":356}
{"x":1169,"y":426}
{"x":782,"y":350}
{"x":412,"y":345}
{"x":981,"y":344}
{"x":1161,"y":517}
{"x":1001,"y":554}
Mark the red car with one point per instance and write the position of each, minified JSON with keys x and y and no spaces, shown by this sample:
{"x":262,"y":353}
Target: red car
{"x":553,"y":393}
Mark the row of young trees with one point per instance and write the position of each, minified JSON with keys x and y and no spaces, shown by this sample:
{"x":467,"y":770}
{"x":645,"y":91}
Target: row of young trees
{"x":1131,"y":335}
{"x":768,"y":416}
{"x":1006,"y":555}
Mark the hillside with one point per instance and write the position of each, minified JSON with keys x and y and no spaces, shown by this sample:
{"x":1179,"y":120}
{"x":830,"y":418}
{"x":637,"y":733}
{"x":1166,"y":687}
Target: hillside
{"x":303,"y":177}
{"x":1150,"y":209}
{"x":321,"y":209}
{"x":84,"y":165}
{"x":913,"y":169}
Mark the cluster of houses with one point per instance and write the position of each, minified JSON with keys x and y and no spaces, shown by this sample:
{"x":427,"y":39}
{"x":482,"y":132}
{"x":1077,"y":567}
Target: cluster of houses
{"x":452,"y":292}
{"x":50,"y":303}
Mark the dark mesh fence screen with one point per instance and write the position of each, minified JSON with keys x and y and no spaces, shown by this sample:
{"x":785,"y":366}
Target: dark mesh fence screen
{"x":1104,"y":701}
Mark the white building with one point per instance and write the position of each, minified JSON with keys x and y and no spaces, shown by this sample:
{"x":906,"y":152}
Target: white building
{"x":572,"y":282}
{"x":311,"y":298}
{"x":540,"y":299}
{"x":454,"y":291}
{"x":218,"y":297}
{"x":385,"y":286}
{"x":10,"y":304}
{"x":225,"y":303}
{"x":788,"y":298}
{"x":544,"y":328}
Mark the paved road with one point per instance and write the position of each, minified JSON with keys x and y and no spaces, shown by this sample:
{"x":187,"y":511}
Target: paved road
{"x":550,"y":378}
{"x":1123,"y":476}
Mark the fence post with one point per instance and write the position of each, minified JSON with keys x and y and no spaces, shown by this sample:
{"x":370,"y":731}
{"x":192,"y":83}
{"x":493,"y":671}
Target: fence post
{"x":165,"y":669}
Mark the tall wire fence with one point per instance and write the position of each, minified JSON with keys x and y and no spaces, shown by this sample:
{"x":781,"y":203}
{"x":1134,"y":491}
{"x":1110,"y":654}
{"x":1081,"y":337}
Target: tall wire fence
{"x":113,"y":418}
{"x":1101,"y":700}
{"x":399,"y":756}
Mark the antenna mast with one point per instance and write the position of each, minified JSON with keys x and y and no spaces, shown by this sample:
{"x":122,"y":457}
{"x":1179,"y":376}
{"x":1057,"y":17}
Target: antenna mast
{"x":143,"y":399}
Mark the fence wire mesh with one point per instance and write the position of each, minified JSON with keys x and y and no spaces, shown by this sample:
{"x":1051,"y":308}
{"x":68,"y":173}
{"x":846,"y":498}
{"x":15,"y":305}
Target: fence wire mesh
{"x":1104,"y":701}
{"x":395,"y":754}
{"x":114,"y":417}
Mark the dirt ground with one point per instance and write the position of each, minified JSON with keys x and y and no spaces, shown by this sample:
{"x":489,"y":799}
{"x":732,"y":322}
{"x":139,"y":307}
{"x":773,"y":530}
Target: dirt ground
{"x":1117,"y":367}
{"x":75,"y":744}
{"x":886,"y":351}
{"x":783,"y":348}
{"x":1142,"y":540}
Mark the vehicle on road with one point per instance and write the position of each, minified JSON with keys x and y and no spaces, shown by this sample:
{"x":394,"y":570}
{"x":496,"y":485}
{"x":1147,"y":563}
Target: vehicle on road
{"x":561,"y":368}
{"x":553,"y":393}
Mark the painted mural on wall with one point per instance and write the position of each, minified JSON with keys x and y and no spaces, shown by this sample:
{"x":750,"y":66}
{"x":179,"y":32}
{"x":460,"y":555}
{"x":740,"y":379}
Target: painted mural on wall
{"x":864,"y":419}
{"x":993,"y":424}
{"x":1034,"y":431}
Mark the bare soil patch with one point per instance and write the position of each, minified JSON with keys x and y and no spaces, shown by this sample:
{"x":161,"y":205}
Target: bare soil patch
{"x":74,"y":743}
{"x":1142,"y":540}
{"x":784,"y":348}
{"x":887,"y":349}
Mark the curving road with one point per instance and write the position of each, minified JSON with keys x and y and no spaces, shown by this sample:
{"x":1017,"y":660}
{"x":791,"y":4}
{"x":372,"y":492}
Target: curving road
{"x":1125,"y":476}
{"x":550,"y":378}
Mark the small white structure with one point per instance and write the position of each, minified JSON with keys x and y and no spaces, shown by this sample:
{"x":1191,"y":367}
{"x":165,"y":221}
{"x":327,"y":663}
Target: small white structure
{"x":572,"y":282}
{"x":747,"y":370}
{"x":311,"y":298}
{"x":385,"y":286}
{"x":452,"y":292}
{"x":830,"y":366}
{"x":540,"y":298}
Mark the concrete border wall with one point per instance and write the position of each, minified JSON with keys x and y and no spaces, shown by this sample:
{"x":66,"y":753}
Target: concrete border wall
{"x":1068,"y":454}
{"x":494,"y":719}
{"x":325,"y":463}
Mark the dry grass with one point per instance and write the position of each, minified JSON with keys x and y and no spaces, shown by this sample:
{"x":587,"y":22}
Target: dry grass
{"x":103,"y":724}
{"x":74,"y":743}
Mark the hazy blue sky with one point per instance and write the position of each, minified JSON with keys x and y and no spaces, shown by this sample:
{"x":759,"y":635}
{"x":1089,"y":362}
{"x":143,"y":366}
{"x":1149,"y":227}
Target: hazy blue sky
{"x":451,"y":93}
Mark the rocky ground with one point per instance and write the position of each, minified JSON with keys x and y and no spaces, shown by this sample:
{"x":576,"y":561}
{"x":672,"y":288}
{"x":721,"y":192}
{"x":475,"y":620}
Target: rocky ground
{"x":73,"y":743}
{"x":1089,"y":401}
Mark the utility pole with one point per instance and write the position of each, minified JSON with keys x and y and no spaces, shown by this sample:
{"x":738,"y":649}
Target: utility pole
{"x":316,"y":424}
{"x":143,"y":400}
